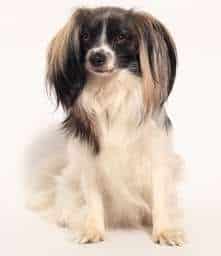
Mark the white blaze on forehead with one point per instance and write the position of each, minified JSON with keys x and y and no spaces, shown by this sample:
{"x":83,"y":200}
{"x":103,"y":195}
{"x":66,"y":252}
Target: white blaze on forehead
{"x":103,"y":34}
{"x":102,"y":46}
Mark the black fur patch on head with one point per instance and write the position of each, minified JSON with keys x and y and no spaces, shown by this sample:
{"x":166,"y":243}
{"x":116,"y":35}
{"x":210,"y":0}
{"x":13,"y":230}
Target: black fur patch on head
{"x":121,"y":36}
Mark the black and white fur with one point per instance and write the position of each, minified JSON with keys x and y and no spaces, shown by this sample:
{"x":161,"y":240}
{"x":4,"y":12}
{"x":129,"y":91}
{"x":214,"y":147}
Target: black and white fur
{"x":112,"y":71}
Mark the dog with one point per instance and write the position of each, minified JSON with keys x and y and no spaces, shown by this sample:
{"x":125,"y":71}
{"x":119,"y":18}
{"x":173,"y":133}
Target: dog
{"x":112,"y":71}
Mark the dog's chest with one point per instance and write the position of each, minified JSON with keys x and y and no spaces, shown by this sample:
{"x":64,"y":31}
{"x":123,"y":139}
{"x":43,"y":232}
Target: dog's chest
{"x":123,"y":159}
{"x":118,"y":107}
{"x":124,"y":155}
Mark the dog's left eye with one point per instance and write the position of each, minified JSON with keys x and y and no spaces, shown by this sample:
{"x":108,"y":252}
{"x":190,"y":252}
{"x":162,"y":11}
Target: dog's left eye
{"x":121,"y":38}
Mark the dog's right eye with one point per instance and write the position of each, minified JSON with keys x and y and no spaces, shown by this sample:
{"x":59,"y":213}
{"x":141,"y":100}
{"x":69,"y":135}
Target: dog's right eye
{"x":85,"y":36}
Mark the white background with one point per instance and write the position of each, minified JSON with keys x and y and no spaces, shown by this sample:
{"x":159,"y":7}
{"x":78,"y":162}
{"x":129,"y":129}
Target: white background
{"x":194,"y":106}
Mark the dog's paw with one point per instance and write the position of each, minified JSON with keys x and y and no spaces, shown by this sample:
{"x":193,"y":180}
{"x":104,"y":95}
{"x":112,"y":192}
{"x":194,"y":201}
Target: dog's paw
{"x":91,"y":236}
{"x":172,"y":237}
{"x":91,"y":233}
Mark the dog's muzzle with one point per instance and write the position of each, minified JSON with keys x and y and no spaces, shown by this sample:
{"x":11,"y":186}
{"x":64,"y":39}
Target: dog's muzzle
{"x":100,"y":60}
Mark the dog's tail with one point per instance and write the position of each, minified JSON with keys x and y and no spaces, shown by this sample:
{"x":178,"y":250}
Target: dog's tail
{"x":45,"y":159}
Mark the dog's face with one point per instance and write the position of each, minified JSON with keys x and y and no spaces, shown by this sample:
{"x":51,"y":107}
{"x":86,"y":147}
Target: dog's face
{"x":109,"y":43}
{"x":103,"y":41}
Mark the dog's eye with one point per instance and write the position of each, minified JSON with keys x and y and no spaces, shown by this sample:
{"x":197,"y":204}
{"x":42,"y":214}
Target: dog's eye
{"x":85,"y":36}
{"x":121,"y":38}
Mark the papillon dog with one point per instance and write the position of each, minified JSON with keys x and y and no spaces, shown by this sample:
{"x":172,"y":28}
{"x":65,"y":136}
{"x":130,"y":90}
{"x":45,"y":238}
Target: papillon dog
{"x":112,"y":70}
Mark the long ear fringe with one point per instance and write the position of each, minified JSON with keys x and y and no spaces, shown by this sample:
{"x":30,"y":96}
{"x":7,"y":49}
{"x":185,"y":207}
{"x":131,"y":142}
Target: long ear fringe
{"x":63,"y":57}
{"x":157,"y":59}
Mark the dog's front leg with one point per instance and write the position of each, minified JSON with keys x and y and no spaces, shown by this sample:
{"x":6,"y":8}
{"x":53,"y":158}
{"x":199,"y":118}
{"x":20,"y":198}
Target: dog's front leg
{"x":79,"y":205}
{"x":93,"y":226}
{"x":165,"y":228}
{"x":79,"y":200}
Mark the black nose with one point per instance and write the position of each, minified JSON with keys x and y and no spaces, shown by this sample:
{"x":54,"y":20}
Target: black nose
{"x":97,"y":59}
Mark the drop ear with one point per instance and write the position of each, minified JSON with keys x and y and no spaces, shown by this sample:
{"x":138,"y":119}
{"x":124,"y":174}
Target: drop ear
{"x":65,"y":74}
{"x":158,"y":60}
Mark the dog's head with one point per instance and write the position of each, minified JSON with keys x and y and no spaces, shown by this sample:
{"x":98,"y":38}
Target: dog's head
{"x":103,"y":41}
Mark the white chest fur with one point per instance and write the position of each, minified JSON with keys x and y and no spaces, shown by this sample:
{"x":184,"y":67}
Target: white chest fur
{"x":123,"y":160}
